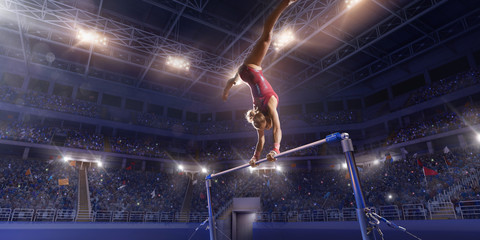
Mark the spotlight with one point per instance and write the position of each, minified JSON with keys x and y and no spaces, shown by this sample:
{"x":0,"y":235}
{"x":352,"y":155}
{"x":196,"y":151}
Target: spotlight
{"x":376,"y":162}
{"x":66,"y":159}
{"x":390,"y":196}
{"x":178,"y":62}
{"x":180,"y":167}
{"x":344,"y":166}
{"x":478,"y":137}
{"x":351,"y":3}
{"x":278,"y":168}
{"x":283,"y":39}
{"x":204,"y":170}
{"x":100,"y":164}
{"x":91,"y":37}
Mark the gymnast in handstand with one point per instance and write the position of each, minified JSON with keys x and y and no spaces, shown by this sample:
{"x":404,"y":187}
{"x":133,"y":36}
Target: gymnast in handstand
{"x":264,"y":114}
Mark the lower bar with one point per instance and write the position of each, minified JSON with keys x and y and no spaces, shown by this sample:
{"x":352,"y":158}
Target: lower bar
{"x":322,"y":141}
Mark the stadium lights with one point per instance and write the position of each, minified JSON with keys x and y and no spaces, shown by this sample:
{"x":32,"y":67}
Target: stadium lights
{"x":283,"y":39}
{"x":351,"y":3}
{"x":178,"y":62}
{"x":91,"y":37}
{"x":204,"y":170}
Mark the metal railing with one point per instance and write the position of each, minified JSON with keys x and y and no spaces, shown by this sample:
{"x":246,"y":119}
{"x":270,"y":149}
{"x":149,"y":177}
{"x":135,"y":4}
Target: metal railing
{"x":440,"y":210}
{"x":318,"y":216}
{"x":470,"y":209}
{"x":390,"y":212}
{"x":65,"y":215}
{"x":120,"y":216}
{"x":262,"y":217}
{"x":44,"y":215}
{"x":152,"y":217}
{"x":279,"y":216}
{"x":5,"y":214}
{"x":349,"y":214}
{"x":414,"y":212}
{"x":304,"y":216}
{"x":102,"y":216}
{"x":333,"y":215}
{"x":137,"y":217}
{"x":22,"y":215}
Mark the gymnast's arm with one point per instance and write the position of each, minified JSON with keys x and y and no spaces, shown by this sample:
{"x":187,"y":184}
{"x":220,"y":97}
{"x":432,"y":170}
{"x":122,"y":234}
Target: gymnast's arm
{"x":260,"y":143}
{"x":277,"y":130}
{"x":230,"y":83}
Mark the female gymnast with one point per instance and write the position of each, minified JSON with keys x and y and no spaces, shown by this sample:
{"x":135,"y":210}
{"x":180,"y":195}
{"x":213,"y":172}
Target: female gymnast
{"x":264,"y":114}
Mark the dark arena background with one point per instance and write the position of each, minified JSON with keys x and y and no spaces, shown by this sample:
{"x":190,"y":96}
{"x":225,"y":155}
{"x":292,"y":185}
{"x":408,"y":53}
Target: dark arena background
{"x":113,"y":126}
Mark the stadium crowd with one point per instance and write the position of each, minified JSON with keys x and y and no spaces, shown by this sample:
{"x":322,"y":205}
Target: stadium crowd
{"x":129,"y":190}
{"x":444,"y":86}
{"x":34,"y":184}
{"x":49,"y":102}
{"x":441,"y":122}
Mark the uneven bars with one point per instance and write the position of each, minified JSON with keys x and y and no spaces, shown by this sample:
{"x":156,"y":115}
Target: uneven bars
{"x":334,"y":137}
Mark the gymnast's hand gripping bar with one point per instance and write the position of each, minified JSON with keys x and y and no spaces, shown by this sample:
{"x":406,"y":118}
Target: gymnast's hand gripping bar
{"x":334,"y":137}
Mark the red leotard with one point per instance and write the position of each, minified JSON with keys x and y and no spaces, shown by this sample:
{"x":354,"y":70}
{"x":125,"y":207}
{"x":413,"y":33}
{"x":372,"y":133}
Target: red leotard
{"x":259,"y":86}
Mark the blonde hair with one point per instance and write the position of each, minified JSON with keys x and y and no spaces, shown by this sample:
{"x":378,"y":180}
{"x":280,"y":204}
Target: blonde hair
{"x":257,"y":118}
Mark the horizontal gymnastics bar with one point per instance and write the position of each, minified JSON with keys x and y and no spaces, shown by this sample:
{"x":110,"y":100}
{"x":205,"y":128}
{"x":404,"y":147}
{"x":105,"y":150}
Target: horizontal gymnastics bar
{"x":334,"y":137}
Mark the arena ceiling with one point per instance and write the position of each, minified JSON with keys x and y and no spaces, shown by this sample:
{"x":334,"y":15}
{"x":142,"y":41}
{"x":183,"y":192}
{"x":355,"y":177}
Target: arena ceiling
{"x":334,"y":48}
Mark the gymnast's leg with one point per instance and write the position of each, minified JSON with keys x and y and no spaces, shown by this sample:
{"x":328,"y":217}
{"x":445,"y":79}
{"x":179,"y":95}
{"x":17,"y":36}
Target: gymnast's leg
{"x":263,"y":43}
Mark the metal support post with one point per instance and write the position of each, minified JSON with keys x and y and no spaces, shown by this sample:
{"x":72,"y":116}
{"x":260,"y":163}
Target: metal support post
{"x":347,"y":147}
{"x":211,"y":220}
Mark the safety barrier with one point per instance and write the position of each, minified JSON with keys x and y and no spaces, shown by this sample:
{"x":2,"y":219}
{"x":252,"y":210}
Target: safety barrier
{"x":262,"y":217}
{"x":152,"y":217}
{"x":22,"y":215}
{"x":470,"y":209}
{"x":102,"y":216}
{"x":304,"y":216}
{"x":69,"y":215}
{"x":390,"y":212}
{"x":137,"y":217}
{"x":349,"y":214}
{"x":279,"y":217}
{"x":441,"y":210}
{"x":44,"y":215}
{"x":444,"y":210}
{"x":333,"y":215}
{"x":198,"y":216}
{"x":5,"y":214}
{"x":120,"y":216}
{"x":318,"y":216}
{"x":414,"y":212}
{"x":167,"y":217}
{"x":65,"y":215}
